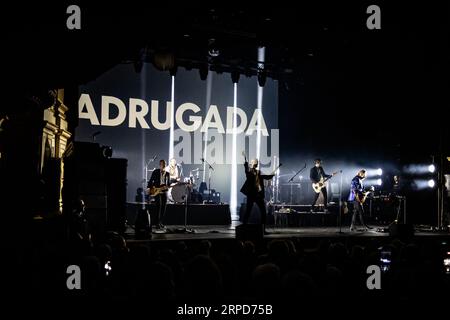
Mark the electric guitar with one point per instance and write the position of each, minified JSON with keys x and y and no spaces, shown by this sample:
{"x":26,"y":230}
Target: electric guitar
{"x":321,"y":184}
{"x":362,"y":198}
{"x":154,"y":191}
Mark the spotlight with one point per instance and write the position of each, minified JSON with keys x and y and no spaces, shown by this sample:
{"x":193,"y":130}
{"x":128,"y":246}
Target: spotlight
{"x":261,"y":77}
{"x":164,"y":60}
{"x":203,"y":72}
{"x":379,"y":182}
{"x":173,"y":71}
{"x":431,"y":168}
{"x":188,"y":66}
{"x":138,"y":64}
{"x":235,"y":76}
{"x":431,"y":183}
{"x":213,"y":50}
{"x":379,"y":172}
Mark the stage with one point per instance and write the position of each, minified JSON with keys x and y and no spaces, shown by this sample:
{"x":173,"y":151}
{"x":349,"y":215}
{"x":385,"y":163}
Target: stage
{"x":213,"y":232}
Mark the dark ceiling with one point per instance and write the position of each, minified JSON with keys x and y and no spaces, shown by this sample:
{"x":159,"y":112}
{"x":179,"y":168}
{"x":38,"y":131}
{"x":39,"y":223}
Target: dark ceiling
{"x":323,"y":54}
{"x":38,"y":42}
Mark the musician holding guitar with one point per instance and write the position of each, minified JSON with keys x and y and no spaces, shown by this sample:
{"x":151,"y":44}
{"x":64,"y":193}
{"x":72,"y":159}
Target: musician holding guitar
{"x":157,"y":187}
{"x":358,"y":196}
{"x":318,"y":178}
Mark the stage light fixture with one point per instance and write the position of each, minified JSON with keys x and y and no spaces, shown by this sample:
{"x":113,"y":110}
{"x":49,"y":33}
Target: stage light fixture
{"x":203,"y":72}
{"x":261,"y":77}
{"x":235,"y":76}
{"x":164,"y":60}
{"x":431,"y":183}
{"x":213,"y":50}
{"x":173,"y":71}
{"x":380,"y":172}
{"x":379,"y":182}
{"x":431,"y":168}
{"x":138,"y":64}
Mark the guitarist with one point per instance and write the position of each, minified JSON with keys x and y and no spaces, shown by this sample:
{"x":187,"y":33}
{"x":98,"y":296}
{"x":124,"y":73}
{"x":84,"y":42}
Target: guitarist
{"x":159,"y":178}
{"x":316,"y":174}
{"x":358,"y":196}
{"x":253,"y":188}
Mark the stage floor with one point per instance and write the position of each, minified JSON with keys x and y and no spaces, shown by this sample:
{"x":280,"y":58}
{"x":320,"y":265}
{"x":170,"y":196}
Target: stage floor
{"x":228,"y":232}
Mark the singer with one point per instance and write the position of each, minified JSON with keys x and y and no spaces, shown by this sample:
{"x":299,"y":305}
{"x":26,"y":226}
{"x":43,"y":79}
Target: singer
{"x":253,"y":189}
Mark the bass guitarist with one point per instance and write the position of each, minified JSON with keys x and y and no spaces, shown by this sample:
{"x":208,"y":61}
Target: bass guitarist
{"x":317,"y":176}
{"x":157,"y":187}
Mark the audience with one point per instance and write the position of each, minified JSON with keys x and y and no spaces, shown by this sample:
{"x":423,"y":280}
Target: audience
{"x":291,"y":270}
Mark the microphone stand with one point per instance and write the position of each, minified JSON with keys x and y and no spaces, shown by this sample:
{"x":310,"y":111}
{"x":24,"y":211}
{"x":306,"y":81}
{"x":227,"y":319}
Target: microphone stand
{"x":146,"y":167}
{"x":187,"y":195}
{"x":209,"y":179}
{"x":292,"y":179}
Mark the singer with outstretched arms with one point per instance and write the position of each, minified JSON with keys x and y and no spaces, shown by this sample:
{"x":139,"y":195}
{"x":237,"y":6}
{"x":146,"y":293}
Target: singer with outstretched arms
{"x":253,"y":189}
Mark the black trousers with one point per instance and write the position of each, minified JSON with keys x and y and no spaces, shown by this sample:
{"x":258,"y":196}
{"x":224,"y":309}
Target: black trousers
{"x":259,"y":201}
{"x":161,"y":201}
{"x":325,"y":197}
{"x":358,"y":211}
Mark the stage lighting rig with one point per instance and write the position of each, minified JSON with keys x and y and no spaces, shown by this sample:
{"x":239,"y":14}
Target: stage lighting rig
{"x":262,"y":76}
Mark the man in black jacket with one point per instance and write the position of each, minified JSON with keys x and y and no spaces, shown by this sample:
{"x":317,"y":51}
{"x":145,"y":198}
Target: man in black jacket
{"x":316,"y":174}
{"x":159,"y":178}
{"x":253,"y":188}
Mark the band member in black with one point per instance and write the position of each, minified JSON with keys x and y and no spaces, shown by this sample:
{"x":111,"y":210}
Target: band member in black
{"x":159,"y":178}
{"x":396,"y":196}
{"x":358,"y":196}
{"x":253,"y":188}
{"x":316,"y":175}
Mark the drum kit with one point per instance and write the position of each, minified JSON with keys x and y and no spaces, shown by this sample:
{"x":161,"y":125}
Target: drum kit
{"x":178,"y":192}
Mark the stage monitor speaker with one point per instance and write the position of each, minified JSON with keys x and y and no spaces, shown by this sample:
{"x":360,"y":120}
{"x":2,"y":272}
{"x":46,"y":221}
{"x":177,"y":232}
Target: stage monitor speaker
{"x":142,"y":225}
{"x":401,"y":231}
{"x":249,"y":232}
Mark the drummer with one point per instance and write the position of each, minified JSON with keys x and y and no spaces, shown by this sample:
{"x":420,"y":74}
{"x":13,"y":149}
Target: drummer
{"x":174,"y":171}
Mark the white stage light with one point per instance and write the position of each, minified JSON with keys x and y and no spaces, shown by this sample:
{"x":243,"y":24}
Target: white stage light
{"x":233,"y":191}
{"x":261,"y":57}
{"x":431,"y":168}
{"x":431,"y":183}
{"x":172,"y":120}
